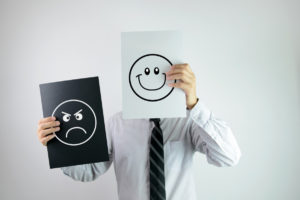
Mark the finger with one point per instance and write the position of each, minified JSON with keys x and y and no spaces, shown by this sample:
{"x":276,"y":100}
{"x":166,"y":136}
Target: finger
{"x":184,"y":66}
{"x":185,"y":73}
{"x":47,"y":131}
{"x":45,"y":140}
{"x":180,"y":76}
{"x":47,"y":119}
{"x":178,"y":70}
{"x":179,"y":84}
{"x":48,"y":125}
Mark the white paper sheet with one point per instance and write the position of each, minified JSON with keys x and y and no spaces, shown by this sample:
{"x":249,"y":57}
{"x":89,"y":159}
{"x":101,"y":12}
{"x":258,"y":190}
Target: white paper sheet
{"x":146,"y":57}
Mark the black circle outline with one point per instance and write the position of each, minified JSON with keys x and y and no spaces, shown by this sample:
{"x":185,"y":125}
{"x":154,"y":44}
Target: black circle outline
{"x":152,"y":54}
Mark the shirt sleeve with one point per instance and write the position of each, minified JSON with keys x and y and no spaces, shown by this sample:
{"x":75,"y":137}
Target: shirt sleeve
{"x":213,"y":137}
{"x":89,"y":172}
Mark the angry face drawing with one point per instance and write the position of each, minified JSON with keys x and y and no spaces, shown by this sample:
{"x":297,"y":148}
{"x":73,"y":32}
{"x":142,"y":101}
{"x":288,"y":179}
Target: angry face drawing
{"x":78,"y":122}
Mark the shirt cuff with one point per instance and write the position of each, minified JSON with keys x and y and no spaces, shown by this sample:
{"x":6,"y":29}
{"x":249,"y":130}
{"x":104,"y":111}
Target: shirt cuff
{"x":199,"y":113}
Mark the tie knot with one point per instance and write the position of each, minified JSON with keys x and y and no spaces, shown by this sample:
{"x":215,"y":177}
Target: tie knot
{"x":156,"y":121}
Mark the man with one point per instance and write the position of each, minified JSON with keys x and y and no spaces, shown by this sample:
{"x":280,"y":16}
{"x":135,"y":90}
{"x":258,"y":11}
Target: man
{"x":153,"y":158}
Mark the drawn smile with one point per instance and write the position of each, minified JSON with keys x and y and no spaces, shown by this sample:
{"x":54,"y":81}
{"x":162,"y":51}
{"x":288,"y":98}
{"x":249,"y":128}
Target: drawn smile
{"x":77,"y":127}
{"x":138,"y":76}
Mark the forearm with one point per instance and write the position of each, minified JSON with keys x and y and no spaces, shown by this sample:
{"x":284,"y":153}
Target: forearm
{"x":213,"y":137}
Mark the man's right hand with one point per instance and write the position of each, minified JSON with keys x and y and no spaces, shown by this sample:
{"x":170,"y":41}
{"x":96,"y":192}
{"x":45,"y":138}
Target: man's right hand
{"x":46,"y":128}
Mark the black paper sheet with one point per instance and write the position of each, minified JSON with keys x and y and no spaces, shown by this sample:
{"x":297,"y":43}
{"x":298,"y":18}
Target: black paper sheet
{"x":77,"y":105}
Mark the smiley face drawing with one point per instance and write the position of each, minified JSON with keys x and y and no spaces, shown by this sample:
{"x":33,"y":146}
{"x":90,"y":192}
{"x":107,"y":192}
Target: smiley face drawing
{"x":147,"y":77}
{"x":78,"y":122}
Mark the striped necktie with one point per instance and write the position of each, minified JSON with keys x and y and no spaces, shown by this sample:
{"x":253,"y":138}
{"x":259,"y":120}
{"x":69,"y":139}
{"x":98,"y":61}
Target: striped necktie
{"x":157,"y":175}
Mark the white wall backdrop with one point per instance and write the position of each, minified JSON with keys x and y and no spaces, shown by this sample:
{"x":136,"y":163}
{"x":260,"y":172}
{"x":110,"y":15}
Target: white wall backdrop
{"x":245,"y":55}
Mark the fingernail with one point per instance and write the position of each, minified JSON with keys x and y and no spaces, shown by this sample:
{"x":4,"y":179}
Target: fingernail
{"x":53,"y":118}
{"x":57,"y":123}
{"x":58,"y":128}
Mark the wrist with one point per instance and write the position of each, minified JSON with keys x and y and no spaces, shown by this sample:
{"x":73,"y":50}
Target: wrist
{"x":191,"y":102}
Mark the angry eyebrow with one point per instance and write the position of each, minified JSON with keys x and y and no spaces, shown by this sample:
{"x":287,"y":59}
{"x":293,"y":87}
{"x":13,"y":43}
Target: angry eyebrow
{"x":78,"y":112}
{"x":65,"y":113}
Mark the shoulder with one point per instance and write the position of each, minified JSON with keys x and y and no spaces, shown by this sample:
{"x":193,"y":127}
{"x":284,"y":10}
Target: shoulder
{"x":113,"y":118}
{"x":116,"y":115}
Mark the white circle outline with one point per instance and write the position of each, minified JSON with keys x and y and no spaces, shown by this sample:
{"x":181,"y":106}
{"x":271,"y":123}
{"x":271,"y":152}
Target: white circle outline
{"x":76,"y":100}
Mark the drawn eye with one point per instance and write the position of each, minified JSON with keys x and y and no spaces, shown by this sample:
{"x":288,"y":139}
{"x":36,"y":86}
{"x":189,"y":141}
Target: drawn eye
{"x":147,"y":71}
{"x":66,"y":117}
{"x":78,"y":116}
{"x":156,"y":70}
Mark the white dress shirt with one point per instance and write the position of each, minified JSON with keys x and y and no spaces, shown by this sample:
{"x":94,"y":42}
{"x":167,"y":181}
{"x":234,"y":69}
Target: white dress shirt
{"x":128,"y":145}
